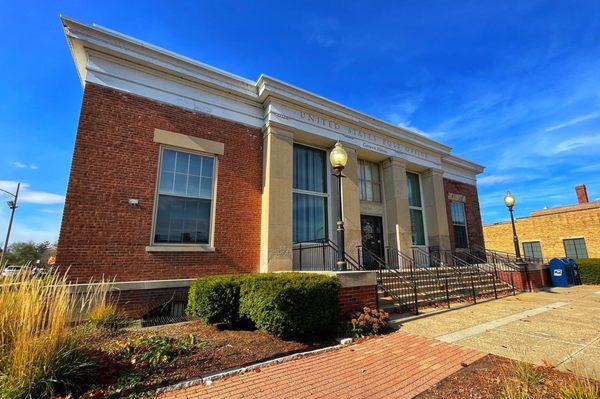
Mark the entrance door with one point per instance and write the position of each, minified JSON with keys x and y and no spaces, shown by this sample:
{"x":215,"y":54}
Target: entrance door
{"x":372,"y":239}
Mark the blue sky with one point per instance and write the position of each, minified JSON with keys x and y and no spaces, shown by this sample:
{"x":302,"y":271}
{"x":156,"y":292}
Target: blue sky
{"x":513,"y":85}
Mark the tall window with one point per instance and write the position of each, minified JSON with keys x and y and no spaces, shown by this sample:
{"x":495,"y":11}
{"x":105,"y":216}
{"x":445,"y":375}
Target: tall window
{"x":532,"y":250}
{"x":416,"y":209}
{"x":370,"y":181}
{"x":575,"y":248}
{"x":459,"y":223}
{"x":310,"y":194}
{"x":185,"y":195}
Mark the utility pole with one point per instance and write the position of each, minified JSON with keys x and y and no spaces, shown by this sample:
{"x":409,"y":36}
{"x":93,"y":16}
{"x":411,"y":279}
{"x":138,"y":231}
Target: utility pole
{"x":12,"y":204}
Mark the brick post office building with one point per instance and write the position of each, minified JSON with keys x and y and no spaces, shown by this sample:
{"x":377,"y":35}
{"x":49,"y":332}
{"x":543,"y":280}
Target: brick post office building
{"x":182,"y":170}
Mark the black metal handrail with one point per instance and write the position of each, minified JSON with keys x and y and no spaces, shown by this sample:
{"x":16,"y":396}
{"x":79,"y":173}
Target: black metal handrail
{"x":510,"y":256}
{"x":318,"y":255}
{"x":392,"y":282}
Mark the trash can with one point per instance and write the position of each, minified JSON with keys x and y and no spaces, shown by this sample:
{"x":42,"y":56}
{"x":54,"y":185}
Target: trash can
{"x":562,"y":272}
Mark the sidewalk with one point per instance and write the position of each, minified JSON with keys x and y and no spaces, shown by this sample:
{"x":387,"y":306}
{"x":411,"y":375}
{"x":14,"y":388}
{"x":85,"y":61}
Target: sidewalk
{"x":398,"y":365}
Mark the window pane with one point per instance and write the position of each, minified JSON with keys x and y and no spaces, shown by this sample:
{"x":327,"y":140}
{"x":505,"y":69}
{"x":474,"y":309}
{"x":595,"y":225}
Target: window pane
{"x":195,"y":164}
{"x":207,"y":166}
{"x":309,"y":169}
{"x":309,"y":217}
{"x":368,"y":177}
{"x":193,"y":187}
{"x":418,"y":231}
{"x":376,"y":192}
{"x":166,"y":182}
{"x":575,"y":248}
{"x":414,"y":190}
{"x":206,"y":187}
{"x":182,"y":161}
{"x":532,"y":250}
{"x":168,"y":160}
{"x":460,"y":237}
{"x":180,"y":186}
{"x":182,"y":220}
{"x":458,"y":213}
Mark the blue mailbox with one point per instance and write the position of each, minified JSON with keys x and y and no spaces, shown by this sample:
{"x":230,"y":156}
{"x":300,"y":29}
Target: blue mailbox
{"x":564,"y":272}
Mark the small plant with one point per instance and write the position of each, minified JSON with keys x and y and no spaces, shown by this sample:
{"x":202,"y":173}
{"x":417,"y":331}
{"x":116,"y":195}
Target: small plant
{"x":580,"y":388}
{"x":154,"y":350}
{"x":108,"y":316}
{"x":369,"y":322}
{"x":528,"y":374}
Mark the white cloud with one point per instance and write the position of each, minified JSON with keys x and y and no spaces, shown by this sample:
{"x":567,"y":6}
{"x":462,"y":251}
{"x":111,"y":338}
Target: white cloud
{"x":576,"y":142}
{"x":31,"y":196}
{"x":574,"y":121}
{"x":22,"y":165}
{"x":494,"y":179}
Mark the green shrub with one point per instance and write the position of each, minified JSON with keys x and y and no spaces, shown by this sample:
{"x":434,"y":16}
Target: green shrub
{"x":215,"y":299}
{"x":589,"y":270}
{"x":291,"y":305}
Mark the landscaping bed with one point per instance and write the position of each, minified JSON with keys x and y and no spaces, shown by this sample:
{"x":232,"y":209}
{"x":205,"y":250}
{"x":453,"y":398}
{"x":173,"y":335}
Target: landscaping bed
{"x":495,"y":377}
{"x":213,"y":348}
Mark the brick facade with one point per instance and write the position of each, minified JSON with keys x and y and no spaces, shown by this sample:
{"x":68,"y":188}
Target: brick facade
{"x":353,"y":299}
{"x":550,"y":227}
{"x":115,"y":159}
{"x":473,"y":213}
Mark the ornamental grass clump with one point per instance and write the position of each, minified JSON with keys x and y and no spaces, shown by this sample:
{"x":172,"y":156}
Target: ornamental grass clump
{"x":41,"y":355}
{"x":369,"y":322}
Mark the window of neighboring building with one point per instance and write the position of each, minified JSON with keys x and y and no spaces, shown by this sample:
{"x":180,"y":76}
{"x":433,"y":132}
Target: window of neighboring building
{"x":459,"y":223}
{"x":532,"y":250}
{"x":370,"y":182}
{"x":415,"y":207}
{"x":185,"y":196}
{"x":309,"y":194}
{"x":575,"y":248}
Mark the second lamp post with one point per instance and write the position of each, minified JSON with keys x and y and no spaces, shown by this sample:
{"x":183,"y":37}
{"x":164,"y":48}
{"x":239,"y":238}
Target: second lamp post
{"x":338,"y":158}
{"x":509,"y":201}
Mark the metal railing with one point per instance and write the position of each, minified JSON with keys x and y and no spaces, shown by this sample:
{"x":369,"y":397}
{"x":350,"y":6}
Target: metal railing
{"x":391,"y":280}
{"x":319,"y":255}
{"x":505,"y":265}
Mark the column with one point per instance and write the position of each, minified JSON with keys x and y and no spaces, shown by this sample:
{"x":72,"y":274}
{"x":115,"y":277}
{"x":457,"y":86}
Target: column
{"x":395,"y":192}
{"x":435,"y":209}
{"x":276,"y":215}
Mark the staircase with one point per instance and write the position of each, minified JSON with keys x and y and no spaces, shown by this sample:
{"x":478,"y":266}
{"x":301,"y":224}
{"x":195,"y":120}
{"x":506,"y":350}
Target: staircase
{"x":433,"y":279}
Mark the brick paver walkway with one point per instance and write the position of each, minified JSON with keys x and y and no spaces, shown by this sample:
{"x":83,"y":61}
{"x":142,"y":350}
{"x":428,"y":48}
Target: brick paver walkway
{"x":398,"y":365}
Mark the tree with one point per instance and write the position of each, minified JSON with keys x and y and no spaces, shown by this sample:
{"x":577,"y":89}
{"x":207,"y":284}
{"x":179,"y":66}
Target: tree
{"x":23,"y":253}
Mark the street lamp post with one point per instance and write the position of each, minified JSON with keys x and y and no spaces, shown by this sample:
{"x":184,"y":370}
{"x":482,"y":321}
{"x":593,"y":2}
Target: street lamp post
{"x":338,"y":159}
{"x":509,"y":201}
{"x":12,"y":204}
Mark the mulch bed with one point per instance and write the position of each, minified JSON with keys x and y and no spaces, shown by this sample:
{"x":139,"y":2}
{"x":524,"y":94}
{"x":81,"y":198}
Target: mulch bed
{"x":225,"y":347}
{"x":489,"y":378}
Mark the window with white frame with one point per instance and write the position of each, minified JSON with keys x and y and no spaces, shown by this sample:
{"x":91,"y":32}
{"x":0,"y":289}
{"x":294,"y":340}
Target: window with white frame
{"x":309,"y":194}
{"x":370,"y":181}
{"x":459,"y":224}
{"x":185,"y":197}
{"x":575,"y":248}
{"x":415,"y":207}
{"x":532,"y":249}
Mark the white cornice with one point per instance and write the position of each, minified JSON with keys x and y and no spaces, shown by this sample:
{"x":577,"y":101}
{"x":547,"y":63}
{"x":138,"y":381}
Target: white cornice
{"x":109,"y":58}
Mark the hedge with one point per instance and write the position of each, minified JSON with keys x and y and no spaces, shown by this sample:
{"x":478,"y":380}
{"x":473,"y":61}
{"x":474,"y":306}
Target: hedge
{"x":589,"y":270}
{"x":290,"y":305}
{"x":215,"y":299}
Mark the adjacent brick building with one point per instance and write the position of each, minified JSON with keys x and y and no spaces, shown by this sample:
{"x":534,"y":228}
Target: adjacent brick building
{"x":572,"y":230}
{"x":182,"y":170}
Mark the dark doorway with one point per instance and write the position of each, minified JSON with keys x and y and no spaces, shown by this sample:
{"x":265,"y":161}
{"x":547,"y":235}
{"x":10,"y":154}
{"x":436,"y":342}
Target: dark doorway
{"x":372,"y":239}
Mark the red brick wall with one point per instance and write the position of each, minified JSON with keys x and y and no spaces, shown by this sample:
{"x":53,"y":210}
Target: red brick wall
{"x":474,"y":226}
{"x":115,"y":159}
{"x":534,"y":278}
{"x":137,"y":303}
{"x":353,"y":299}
